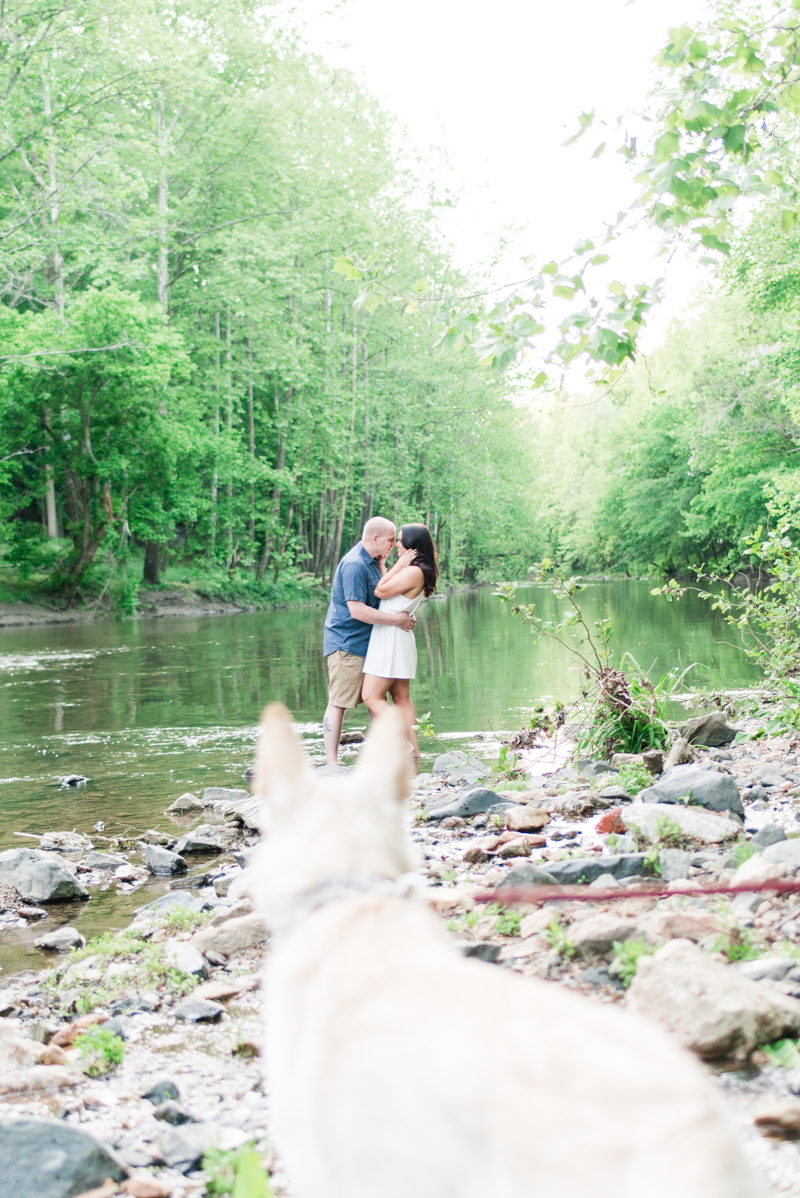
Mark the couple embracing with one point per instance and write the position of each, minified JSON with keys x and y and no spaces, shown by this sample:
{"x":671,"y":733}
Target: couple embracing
{"x":369,"y":630}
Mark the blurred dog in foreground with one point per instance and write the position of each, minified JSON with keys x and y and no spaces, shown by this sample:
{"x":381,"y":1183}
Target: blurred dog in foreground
{"x":399,"y":1069}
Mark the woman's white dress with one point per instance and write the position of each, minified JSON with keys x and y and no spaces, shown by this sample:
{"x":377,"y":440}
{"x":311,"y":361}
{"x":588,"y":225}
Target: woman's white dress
{"x":392,"y":652}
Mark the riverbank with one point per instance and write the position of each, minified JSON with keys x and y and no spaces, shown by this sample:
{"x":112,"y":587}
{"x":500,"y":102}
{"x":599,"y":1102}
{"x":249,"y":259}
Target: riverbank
{"x":181,"y":984}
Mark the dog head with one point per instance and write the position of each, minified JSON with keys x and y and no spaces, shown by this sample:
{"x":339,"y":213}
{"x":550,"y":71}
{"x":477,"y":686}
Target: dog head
{"x":316,"y":828}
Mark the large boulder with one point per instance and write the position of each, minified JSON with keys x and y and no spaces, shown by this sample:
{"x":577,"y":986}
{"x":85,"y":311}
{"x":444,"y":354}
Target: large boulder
{"x":201,"y":842}
{"x":163,"y":863}
{"x":595,"y":936}
{"x":61,"y":940}
{"x":527,"y":874}
{"x":232,"y":936}
{"x":185,"y":958}
{"x":786,"y":852}
{"x":713,"y":1009}
{"x":706,"y":788}
{"x":586,"y":869}
{"x":223,"y":794}
{"x":65,"y":842}
{"x":44,"y":1159}
{"x":694,"y":823}
{"x":469,"y":802}
{"x":711,"y":730}
{"x":38,"y":877}
{"x":97,"y":860}
{"x":185,"y":804}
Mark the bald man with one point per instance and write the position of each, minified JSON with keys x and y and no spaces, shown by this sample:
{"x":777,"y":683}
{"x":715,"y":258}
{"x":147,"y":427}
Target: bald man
{"x":352,"y":612}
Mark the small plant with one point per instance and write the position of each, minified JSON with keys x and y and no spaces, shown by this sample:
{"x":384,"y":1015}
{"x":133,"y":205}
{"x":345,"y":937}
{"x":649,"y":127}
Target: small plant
{"x":421,"y":816}
{"x":651,"y":862}
{"x":102,"y":1050}
{"x":506,"y":768}
{"x":669,"y":833}
{"x":471,"y":918}
{"x":558,"y":939}
{"x":783,"y":1053}
{"x":634,"y":777}
{"x":507,"y":921}
{"x":737,"y":946}
{"x":238,"y":1174}
{"x":741,"y":853}
{"x":496,"y":822}
{"x":626,"y":956}
{"x":425,"y":727}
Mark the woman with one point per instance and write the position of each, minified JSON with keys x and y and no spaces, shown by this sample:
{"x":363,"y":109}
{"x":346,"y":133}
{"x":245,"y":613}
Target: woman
{"x":391,"y":660}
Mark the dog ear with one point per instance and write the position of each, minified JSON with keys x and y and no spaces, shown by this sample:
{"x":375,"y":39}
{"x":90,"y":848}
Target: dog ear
{"x":280,"y":761}
{"x":386,"y":755}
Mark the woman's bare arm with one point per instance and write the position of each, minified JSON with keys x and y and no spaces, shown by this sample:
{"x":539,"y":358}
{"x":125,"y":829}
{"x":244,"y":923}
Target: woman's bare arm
{"x":407,"y":578}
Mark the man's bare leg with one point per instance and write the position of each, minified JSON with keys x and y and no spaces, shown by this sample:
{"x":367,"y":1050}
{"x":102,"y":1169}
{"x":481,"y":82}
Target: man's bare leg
{"x":332,"y":732}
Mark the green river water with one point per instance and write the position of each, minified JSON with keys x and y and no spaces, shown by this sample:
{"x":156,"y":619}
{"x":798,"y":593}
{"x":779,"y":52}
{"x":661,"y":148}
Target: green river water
{"x":149,"y":709}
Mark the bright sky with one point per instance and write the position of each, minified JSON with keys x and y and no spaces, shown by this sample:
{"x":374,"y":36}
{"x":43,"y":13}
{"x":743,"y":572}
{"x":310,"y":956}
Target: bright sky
{"x":498,"y":86}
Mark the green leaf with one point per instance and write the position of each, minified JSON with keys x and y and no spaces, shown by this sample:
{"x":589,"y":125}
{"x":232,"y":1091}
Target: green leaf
{"x":598,"y":150}
{"x":773,"y":178}
{"x":564,"y":292}
{"x":550,"y":269}
{"x":584,"y":120}
{"x":598,"y":259}
{"x":344,"y":266}
{"x":540,"y":379}
{"x":788,"y":220}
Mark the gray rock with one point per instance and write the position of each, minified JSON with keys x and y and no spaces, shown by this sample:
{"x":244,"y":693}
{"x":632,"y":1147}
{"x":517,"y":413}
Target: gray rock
{"x":194,"y":842}
{"x":151,"y":836}
{"x":617,"y":794}
{"x":773,"y":969}
{"x":223,"y":794}
{"x":65,"y":842}
{"x":769,"y":834}
{"x":185,"y":958}
{"x":447,"y":761}
{"x":482,"y":950}
{"x":468,"y":802}
{"x":96,"y":860}
{"x":163,"y":863}
{"x":600,"y":976}
{"x":586,"y":869}
{"x":162,"y":1090}
{"x":712,"y":1009}
{"x":332,"y":769}
{"x":527,"y":874}
{"x":38,"y":877}
{"x":40,"y":1158}
{"x":147,"y":1002}
{"x":185,"y":804}
{"x":176,"y":898}
{"x":198,"y":1010}
{"x":596,"y":935}
{"x":172,"y":1112}
{"x":711,"y":730}
{"x":718,"y":792}
{"x":786,"y":851}
{"x":61,"y":940}
{"x":184,"y":1147}
{"x":118,"y":1025}
{"x":674,"y":864}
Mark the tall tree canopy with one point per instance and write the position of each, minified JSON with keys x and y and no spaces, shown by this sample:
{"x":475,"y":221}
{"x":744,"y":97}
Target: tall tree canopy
{"x":181,"y":364}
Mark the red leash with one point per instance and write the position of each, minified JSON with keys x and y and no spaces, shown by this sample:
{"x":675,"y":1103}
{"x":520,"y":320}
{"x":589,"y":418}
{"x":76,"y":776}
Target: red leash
{"x":509,"y":895}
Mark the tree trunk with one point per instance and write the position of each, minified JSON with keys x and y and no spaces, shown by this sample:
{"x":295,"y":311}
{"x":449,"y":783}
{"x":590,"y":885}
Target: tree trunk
{"x":151,"y":563}
{"x":215,"y":475}
{"x":229,"y":426}
{"x":251,"y":438}
{"x":162,"y":269}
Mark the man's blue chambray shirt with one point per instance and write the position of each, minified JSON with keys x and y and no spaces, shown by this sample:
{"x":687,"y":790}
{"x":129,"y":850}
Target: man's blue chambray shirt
{"x":356,"y":577}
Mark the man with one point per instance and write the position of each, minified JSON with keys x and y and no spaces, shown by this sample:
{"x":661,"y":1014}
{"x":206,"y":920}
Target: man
{"x":352,"y":611}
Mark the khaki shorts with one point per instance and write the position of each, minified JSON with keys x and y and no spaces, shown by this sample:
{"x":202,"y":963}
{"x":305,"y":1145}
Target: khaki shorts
{"x":345,"y":676}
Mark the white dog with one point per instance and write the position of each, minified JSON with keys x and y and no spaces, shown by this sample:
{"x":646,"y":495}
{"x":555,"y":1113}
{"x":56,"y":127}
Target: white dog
{"x":399,"y":1069}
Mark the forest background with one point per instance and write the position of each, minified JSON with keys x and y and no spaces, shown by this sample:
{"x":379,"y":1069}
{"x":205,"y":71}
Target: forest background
{"x":187,"y":386}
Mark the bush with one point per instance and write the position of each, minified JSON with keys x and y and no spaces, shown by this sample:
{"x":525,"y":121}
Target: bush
{"x":101,"y":1049}
{"x":626,"y":957}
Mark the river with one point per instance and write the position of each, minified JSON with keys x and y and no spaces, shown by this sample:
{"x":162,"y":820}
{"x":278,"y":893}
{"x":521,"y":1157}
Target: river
{"x":149,"y":709}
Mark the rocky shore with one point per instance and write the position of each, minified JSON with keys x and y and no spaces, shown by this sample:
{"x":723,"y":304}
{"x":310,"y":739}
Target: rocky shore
{"x":137,"y":1055}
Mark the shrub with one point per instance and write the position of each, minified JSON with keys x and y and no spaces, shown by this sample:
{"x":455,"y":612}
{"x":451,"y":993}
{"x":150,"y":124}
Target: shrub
{"x":101,"y":1049}
{"x":626,"y":957}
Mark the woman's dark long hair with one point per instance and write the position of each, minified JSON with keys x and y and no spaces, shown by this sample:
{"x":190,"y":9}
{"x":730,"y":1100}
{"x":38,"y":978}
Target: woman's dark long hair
{"x":417,"y":536}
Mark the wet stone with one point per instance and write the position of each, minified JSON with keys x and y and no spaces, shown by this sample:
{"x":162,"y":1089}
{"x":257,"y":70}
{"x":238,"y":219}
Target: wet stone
{"x":198,"y":1010}
{"x":162,"y":862}
{"x":162,"y":1090}
{"x":482,"y":950}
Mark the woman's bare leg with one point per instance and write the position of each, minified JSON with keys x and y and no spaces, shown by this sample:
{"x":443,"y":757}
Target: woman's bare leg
{"x":400,"y":690}
{"x":374,"y":691}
